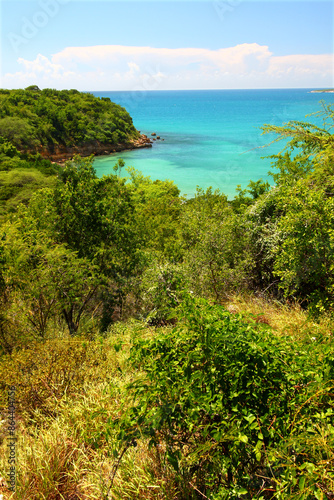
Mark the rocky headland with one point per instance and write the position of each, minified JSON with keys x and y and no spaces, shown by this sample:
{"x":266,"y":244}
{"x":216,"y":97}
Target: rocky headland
{"x":60,"y":153}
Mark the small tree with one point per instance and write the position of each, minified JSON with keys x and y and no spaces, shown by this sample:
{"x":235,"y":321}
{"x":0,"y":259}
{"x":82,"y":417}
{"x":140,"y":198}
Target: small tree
{"x":50,"y":280}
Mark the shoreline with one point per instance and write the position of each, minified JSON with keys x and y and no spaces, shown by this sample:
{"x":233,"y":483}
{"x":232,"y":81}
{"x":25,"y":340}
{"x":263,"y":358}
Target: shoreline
{"x":60,"y":154}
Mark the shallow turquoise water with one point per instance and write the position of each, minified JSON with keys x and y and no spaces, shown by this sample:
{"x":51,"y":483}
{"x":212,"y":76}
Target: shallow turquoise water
{"x":211,"y":137}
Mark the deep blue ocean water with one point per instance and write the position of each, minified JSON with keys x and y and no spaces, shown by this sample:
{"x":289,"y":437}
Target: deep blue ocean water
{"x":211,"y":137}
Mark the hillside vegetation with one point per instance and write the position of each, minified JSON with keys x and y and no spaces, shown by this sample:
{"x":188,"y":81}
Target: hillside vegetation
{"x":32,"y":118}
{"x":37,"y":126}
{"x":164,"y":348}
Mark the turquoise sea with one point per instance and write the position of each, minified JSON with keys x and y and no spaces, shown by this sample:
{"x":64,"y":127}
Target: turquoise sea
{"x":211,"y":137}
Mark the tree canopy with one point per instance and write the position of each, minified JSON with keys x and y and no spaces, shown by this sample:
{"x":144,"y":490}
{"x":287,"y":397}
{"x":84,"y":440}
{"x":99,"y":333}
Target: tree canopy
{"x":33,"y":117}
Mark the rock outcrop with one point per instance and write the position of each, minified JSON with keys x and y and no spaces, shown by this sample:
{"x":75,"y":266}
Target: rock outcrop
{"x":60,"y":153}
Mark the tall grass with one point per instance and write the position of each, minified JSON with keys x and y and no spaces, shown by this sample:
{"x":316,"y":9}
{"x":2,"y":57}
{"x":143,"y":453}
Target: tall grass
{"x":285,"y":319}
{"x":68,"y":390}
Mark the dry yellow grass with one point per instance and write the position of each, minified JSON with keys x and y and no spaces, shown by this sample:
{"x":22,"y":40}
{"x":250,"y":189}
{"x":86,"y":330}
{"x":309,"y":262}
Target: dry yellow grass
{"x":63,"y":451}
{"x":62,"y":448}
{"x":285,"y":319}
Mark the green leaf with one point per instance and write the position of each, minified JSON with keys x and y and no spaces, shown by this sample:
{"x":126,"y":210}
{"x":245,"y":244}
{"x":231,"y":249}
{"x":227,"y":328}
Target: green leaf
{"x":243,"y":438}
{"x":301,"y":483}
{"x":173,"y":460}
{"x":241,"y":491}
{"x":309,"y":467}
{"x":318,"y":494}
{"x":250,"y":418}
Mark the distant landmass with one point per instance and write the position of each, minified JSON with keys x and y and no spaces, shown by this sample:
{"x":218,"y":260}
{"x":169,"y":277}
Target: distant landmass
{"x":329,"y":91}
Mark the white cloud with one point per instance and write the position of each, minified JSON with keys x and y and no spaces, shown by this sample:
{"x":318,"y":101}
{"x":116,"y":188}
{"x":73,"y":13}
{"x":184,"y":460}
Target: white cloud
{"x":108,"y":55}
{"x":41,"y":70}
{"x":118,"y":67}
{"x":299,"y":64}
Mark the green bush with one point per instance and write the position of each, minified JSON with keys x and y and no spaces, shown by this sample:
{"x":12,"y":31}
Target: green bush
{"x":228,"y":401}
{"x":217,"y":254}
{"x":160,"y":290}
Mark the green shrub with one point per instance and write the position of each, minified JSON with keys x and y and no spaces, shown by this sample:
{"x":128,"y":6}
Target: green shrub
{"x":161,"y":288}
{"x":227,"y":400}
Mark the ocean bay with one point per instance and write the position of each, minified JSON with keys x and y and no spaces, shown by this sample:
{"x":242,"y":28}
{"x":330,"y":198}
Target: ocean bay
{"x":211,"y":137}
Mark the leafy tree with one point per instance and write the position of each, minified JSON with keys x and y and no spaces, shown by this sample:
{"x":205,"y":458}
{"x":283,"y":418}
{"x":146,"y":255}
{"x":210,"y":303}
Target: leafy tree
{"x":76,"y":282}
{"x":199,"y":212}
{"x":315,"y":145}
{"x":255,"y":190}
{"x":18,"y":131}
{"x":292,"y":224}
{"x":158,"y":208}
{"x":217,"y":257}
{"x":33,"y":88}
{"x":304,"y":256}
{"x":51,"y":281}
{"x":7,"y":149}
{"x":94,"y":218}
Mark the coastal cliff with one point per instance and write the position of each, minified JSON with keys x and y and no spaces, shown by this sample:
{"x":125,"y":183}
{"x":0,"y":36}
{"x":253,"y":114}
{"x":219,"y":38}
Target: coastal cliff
{"x":59,"y":124}
{"x":60,"y":153}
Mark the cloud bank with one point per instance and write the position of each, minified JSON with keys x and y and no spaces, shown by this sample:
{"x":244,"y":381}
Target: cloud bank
{"x":117,"y":67}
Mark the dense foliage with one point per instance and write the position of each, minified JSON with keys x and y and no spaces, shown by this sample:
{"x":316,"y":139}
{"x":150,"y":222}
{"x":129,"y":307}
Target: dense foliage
{"x":21,"y":175}
{"x":239,"y":410}
{"x":231,"y":409}
{"x":32,"y":117}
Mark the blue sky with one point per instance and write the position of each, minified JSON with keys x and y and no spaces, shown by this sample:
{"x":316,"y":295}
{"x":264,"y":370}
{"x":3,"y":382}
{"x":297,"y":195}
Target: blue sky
{"x":153,"y":45}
